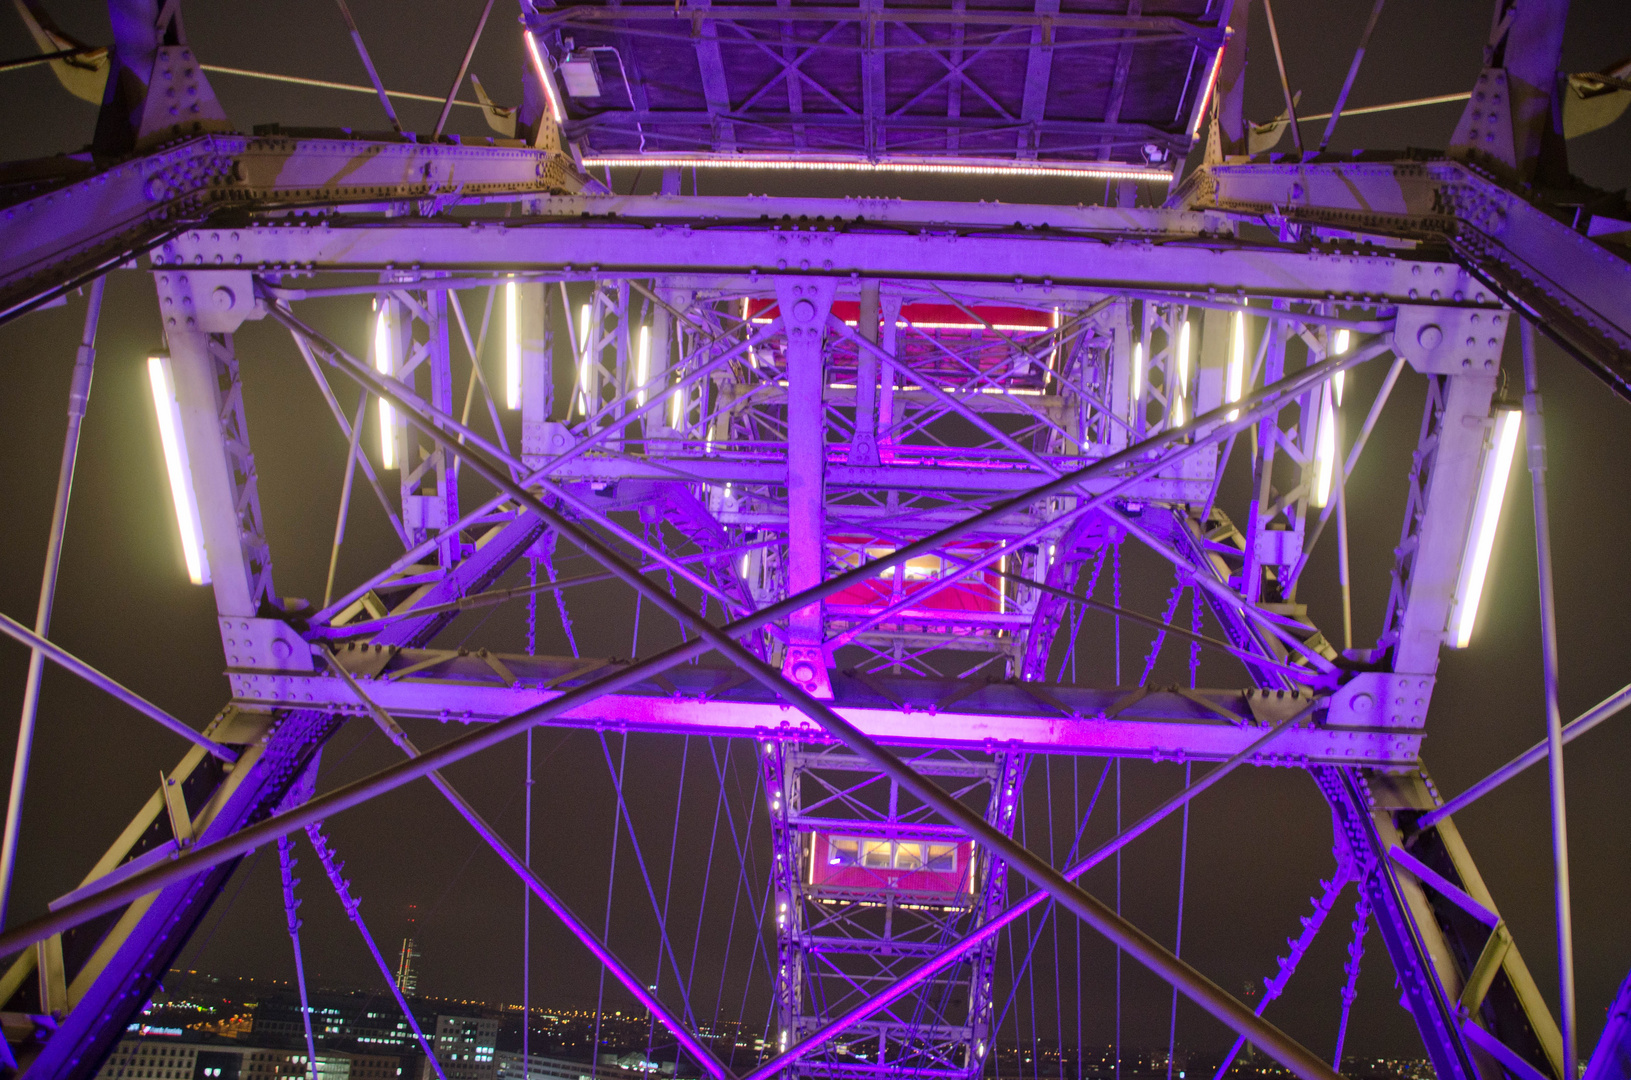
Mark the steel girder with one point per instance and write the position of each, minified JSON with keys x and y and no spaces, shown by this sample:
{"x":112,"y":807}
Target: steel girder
{"x":837,"y":941}
{"x":1480,"y":1013}
{"x":1576,"y":289}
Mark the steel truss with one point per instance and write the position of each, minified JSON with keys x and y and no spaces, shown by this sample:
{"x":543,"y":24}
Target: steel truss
{"x":855,"y":449}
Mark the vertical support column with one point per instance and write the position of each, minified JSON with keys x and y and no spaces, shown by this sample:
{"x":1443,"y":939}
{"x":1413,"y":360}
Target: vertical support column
{"x":210,"y":398}
{"x":662,"y":329}
{"x":430,"y":500}
{"x":1535,"y":429}
{"x":79,"y":394}
{"x":1122,"y":335}
{"x":1274,"y":366}
{"x":886,"y":387}
{"x":864,"y":449}
{"x":805,"y":305}
{"x":533,"y":353}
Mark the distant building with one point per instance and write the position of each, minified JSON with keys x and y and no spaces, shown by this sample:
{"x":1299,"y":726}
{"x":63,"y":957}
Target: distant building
{"x":466,"y":1047}
{"x":407,"y":965}
{"x":143,"y":1058}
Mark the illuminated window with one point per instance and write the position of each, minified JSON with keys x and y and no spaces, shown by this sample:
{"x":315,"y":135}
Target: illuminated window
{"x":942,"y":857}
{"x":844,"y":851}
{"x":908,"y":856}
{"x":876,"y":854}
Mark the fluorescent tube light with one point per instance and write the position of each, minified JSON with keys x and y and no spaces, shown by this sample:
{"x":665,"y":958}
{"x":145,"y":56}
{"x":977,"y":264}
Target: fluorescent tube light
{"x":383,"y":364}
{"x":642,"y":365}
{"x":1486,"y":515}
{"x":1138,"y":370}
{"x":1235,"y":383}
{"x":178,"y":468}
{"x":1325,"y":448}
{"x":1339,"y":347}
{"x":512,"y":345}
{"x":1180,"y":389}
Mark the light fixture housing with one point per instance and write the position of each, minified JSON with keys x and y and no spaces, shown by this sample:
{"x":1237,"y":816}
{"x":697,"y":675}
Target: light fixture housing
{"x":512,"y":345}
{"x":385,"y":365}
{"x":179,"y":468}
{"x":1325,"y":448}
{"x":1486,"y":516}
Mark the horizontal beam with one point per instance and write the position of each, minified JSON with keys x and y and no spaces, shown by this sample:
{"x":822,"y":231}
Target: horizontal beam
{"x":587,"y":14}
{"x":620,"y":247}
{"x":1576,"y":290}
{"x":900,"y":711}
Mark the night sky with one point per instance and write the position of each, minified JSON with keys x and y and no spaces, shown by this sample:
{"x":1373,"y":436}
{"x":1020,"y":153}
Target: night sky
{"x":1258,"y":845}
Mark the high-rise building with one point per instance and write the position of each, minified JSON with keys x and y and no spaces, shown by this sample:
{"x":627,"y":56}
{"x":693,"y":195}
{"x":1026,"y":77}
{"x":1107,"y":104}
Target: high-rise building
{"x":407,"y":966}
{"x":466,"y":1047}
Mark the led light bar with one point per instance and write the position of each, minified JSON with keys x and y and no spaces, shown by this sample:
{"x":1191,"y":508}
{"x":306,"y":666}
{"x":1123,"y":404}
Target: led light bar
{"x":512,"y":345}
{"x":642,"y":365}
{"x":1325,"y":448}
{"x":557,"y":111}
{"x":1486,"y":515}
{"x":1180,"y":388}
{"x":1235,"y":380}
{"x":952,"y":167}
{"x":383,"y":364}
{"x":1339,"y":346}
{"x":1138,"y":371}
{"x":179,"y":469}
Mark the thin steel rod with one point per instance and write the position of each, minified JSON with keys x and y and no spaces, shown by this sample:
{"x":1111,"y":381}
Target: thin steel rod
{"x":367,"y":62}
{"x":204,"y":856}
{"x":596,"y":946}
{"x":498,"y":596}
{"x":1353,"y":73}
{"x":1342,"y":535}
{"x":79,"y":395}
{"x":1285,"y":84}
{"x":345,"y":499}
{"x":1535,"y":429}
{"x":1141,"y":946}
{"x":958,"y":948}
{"x":58,"y":655}
{"x":1609,"y":706}
{"x":342,"y":888}
{"x":291,"y":908}
{"x":464,"y":66}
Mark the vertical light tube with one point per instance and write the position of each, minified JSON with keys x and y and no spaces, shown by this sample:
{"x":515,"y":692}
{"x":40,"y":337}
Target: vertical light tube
{"x":512,"y":345}
{"x":178,"y":468}
{"x":1325,"y":448}
{"x":557,"y":111}
{"x":1340,"y":342}
{"x":1235,"y":381}
{"x":384,"y":365}
{"x":1180,"y":387}
{"x":584,"y":338}
{"x":1138,"y":371}
{"x":642,"y":365}
{"x":1486,"y":515}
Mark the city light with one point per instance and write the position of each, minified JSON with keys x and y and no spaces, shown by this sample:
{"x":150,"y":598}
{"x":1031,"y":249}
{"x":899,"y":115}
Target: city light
{"x":383,"y":364}
{"x":1235,"y":382}
{"x":178,"y":468}
{"x":512,"y":345}
{"x":1486,"y":515}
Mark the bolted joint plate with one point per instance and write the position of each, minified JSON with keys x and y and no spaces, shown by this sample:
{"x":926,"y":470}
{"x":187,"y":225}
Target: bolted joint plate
{"x":1380,"y":699}
{"x":264,"y":645}
{"x":209,"y":301}
{"x":1450,"y":340}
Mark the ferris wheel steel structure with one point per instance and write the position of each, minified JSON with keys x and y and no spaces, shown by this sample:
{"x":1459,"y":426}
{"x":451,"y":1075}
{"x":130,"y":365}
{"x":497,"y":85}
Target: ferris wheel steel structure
{"x":840,"y":443}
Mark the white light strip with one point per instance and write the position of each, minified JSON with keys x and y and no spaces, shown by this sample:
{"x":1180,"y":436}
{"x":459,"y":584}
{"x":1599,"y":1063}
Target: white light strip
{"x":1325,"y":448}
{"x":1181,"y":387}
{"x":512,"y":345}
{"x":954,"y":168}
{"x":1339,"y":347}
{"x":1206,"y":98}
{"x":383,"y":365}
{"x":1138,"y":370}
{"x":583,"y":357}
{"x":1235,"y":383}
{"x":642,"y":365}
{"x":556,"y":110}
{"x":177,"y":466}
{"x":1486,"y":515}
